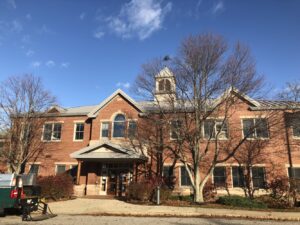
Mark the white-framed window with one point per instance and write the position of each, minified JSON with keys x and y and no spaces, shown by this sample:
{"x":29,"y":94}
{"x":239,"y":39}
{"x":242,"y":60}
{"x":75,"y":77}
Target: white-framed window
{"x":213,"y":127}
{"x":79,"y":131}
{"x":255,"y":128}
{"x":119,"y":126}
{"x":52,"y":131}
{"x":219,"y":176}
{"x":175,"y":126}
{"x":294,"y":172}
{"x":34,"y":168}
{"x":104,"y":129}
{"x":184,"y":177}
{"x":259,"y":177}
{"x":60,"y":168}
{"x":132,"y":127}
{"x":164,"y":85}
{"x":296,"y":127}
{"x":238,"y":178}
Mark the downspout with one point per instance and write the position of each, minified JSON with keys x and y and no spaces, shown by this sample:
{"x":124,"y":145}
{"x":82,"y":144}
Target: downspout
{"x":288,"y":146}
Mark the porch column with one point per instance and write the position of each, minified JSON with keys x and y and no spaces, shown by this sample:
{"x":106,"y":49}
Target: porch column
{"x":78,"y":172}
{"x":134,"y":171}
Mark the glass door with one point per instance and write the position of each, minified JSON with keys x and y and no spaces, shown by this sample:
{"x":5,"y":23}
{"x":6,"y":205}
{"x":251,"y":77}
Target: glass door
{"x":103,"y":180}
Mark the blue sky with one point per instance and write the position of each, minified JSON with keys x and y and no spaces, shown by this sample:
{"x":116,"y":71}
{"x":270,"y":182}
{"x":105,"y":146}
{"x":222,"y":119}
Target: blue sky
{"x":84,"y":50}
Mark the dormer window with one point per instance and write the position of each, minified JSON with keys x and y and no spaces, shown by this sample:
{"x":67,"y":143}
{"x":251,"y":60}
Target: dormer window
{"x":119,"y":126}
{"x":164,"y":85}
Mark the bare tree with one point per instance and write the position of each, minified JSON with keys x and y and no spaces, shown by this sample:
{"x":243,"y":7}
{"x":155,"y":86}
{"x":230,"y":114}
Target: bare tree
{"x":23,"y":102}
{"x":210,"y":82}
{"x":291,"y":92}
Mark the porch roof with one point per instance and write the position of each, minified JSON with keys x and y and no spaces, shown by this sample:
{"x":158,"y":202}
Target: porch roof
{"x":107,"y":151}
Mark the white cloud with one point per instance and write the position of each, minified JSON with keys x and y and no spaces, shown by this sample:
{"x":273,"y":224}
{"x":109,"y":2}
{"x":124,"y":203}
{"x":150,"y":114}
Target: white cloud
{"x":26,"y":38}
{"x":82,"y":15}
{"x":36,"y":64}
{"x":124,"y":85}
{"x":12,"y":3}
{"x":50,"y":63}
{"x":45,"y":30}
{"x":139,"y":18}
{"x":28,"y":16}
{"x":16,"y":26}
{"x":65,"y":65}
{"x":98,"y":34}
{"x":30,"y":53}
{"x":218,"y":7}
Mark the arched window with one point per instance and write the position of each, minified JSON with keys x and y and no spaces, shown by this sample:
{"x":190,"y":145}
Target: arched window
{"x":161,"y":86}
{"x":164,"y":85}
{"x":167,"y":85}
{"x":119,"y":126}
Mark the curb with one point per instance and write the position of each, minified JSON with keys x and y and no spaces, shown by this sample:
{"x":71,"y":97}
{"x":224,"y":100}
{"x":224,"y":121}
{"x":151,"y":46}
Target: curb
{"x":191,"y":215}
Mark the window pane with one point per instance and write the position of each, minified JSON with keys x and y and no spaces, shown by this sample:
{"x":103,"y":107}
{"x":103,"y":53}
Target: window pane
{"x":175,"y":129}
{"x":261,"y":128}
{"x":221,"y":129}
{"x":185,"y":179}
{"x":56,"y":131}
{"x":209,"y":129}
{"x":60,"y":169}
{"x":131,"y":129}
{"x":161,"y":85}
{"x":119,"y":126}
{"x":294,"y":173}
{"x":238,"y":176}
{"x":220,"y":176}
{"x":119,"y":129}
{"x":168,"y":85}
{"x":167,"y":172}
{"x":258,"y":177}
{"x":104,"y":129}
{"x":79,"y":134}
{"x":296,"y":127}
{"x":34,"y":168}
{"x":47,"y":132}
{"x":248,"y":128}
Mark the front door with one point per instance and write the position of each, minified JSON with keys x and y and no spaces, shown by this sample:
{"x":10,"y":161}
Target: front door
{"x":103,"y":180}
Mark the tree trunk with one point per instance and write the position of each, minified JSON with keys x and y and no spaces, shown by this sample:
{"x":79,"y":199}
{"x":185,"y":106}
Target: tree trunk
{"x":198,"y":189}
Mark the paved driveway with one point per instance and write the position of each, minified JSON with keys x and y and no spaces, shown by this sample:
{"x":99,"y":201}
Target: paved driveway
{"x":112,"y":220}
{"x":120,"y":208}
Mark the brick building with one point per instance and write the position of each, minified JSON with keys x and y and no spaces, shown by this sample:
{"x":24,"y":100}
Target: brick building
{"x":93,"y":143}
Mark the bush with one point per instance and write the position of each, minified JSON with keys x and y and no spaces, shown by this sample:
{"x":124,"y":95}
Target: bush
{"x":275,"y":203}
{"x":142,"y":191}
{"x":56,"y":187}
{"x":279,"y":187}
{"x":186,"y":198}
{"x":239,"y":201}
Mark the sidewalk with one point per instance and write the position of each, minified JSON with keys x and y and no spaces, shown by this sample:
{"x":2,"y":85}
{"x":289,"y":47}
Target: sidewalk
{"x":119,"y":208}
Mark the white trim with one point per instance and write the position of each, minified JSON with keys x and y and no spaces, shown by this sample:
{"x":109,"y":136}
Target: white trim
{"x":56,"y":165}
{"x":65,"y":163}
{"x":74,"y":131}
{"x":215,"y":129}
{"x":179,"y":174}
{"x":113,"y":124}
{"x":78,"y":121}
{"x":31,"y":163}
{"x":96,"y":110}
{"x":255,"y":133}
{"x":109,"y":124}
{"x":52,"y":140}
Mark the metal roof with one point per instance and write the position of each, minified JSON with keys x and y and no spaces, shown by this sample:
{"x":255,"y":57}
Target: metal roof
{"x":144,"y":106}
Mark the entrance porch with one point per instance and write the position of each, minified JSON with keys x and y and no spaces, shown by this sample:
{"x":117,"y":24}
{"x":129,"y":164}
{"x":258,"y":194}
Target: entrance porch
{"x":106,"y":169}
